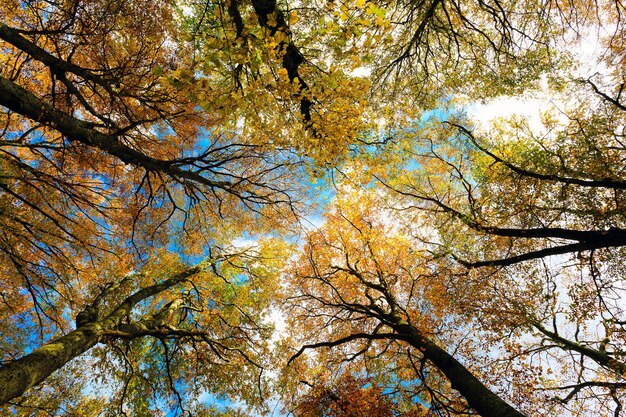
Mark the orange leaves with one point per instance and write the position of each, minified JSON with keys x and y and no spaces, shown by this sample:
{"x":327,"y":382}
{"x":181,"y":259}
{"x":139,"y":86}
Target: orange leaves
{"x":348,"y":396}
{"x":362,"y":265}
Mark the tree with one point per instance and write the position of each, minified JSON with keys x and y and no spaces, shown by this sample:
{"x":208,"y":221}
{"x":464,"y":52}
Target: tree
{"x":537,"y":224}
{"x":361,"y":283}
{"x":205,"y":321}
{"x":99,"y":144}
{"x":367,"y":262}
{"x":529,"y":229}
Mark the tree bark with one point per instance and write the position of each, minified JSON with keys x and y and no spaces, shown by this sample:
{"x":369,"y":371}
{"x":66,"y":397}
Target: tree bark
{"x":22,"y":101}
{"x":477,"y":395}
{"x":18,"y":376}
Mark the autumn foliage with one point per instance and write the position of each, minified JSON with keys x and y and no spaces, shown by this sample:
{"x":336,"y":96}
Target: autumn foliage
{"x":236,"y":207}
{"x":348,"y":396}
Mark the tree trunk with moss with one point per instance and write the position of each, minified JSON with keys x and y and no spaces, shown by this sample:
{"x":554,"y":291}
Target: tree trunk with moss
{"x":19,"y":375}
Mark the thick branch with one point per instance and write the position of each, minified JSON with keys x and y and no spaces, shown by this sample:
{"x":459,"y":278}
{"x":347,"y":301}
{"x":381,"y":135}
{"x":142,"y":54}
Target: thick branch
{"x":589,"y":384}
{"x":57,"y":66}
{"x":611,"y":100}
{"x":541,"y":253}
{"x":22,"y":101}
{"x":164,"y":319}
{"x":602,"y":358}
{"x":126,"y":306}
{"x":343,"y":340}
{"x":588,"y":239}
{"x":603,"y":183}
{"x":17,"y":376}
{"x":477,"y":395}
{"x":292,"y":57}
{"x":613,"y":237}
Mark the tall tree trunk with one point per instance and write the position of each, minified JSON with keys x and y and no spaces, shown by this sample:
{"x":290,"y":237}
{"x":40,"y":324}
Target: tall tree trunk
{"x":18,"y":376}
{"x":478,"y":396}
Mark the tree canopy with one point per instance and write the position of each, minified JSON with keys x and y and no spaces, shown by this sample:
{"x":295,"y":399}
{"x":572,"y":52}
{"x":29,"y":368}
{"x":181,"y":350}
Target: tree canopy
{"x":307,"y":208}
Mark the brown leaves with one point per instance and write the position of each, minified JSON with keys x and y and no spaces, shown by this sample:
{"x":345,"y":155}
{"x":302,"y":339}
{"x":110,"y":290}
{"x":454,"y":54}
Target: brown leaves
{"x":348,"y":396}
